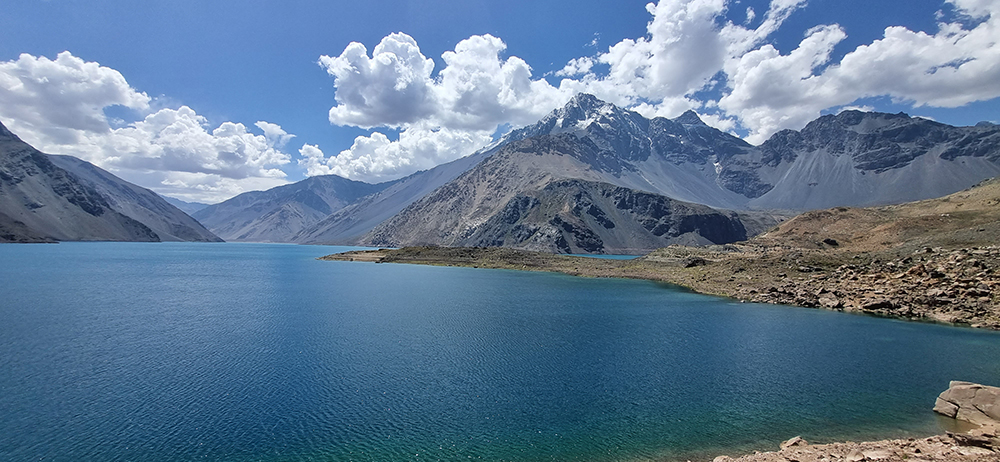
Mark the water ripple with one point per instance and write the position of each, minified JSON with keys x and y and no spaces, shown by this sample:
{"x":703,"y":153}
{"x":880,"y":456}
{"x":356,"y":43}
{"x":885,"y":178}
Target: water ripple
{"x":178,"y":352}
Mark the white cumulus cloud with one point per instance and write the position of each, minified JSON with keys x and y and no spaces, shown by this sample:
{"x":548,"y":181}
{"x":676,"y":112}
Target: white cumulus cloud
{"x":953,"y":67}
{"x":440,"y":117}
{"x":58,"y":107}
{"x":576,"y":66}
{"x":690,"y":50}
{"x":649,"y":68}
{"x":62,"y":98}
{"x":375,"y":158}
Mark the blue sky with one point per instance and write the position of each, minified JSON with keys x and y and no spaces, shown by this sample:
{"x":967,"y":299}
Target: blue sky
{"x":203,"y":100}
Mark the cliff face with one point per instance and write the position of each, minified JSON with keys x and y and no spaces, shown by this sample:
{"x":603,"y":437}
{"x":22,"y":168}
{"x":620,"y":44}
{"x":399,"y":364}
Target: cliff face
{"x":544,"y":193}
{"x":46,"y":198}
{"x":575,"y":216}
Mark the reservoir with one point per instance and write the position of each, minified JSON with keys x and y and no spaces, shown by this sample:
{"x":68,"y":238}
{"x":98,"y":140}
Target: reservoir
{"x":259,"y":352}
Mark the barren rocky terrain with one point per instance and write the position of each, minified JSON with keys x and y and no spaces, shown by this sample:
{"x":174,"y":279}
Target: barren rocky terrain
{"x":948,"y":447}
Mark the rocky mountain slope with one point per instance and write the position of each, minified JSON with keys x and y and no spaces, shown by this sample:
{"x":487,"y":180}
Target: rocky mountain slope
{"x":278,"y":214}
{"x":545,"y":193}
{"x":349,"y":224}
{"x":860,"y":159}
{"x":590,"y":217}
{"x":167,"y":221}
{"x":853,"y":158}
{"x":346,"y":225}
{"x":57,"y":198}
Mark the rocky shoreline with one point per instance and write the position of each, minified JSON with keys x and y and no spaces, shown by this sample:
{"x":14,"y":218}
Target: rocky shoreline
{"x":972,"y":406}
{"x":947,"y":447}
{"x":949,"y":287}
{"x":957,"y":286}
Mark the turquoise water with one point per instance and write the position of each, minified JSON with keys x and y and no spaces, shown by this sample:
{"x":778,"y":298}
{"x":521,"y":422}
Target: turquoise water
{"x":243,"y":352}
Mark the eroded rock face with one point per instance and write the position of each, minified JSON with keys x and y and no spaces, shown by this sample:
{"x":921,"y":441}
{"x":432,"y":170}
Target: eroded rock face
{"x":970,"y":402}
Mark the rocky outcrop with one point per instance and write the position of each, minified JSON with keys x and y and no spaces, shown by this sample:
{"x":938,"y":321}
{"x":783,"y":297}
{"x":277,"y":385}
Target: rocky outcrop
{"x":956,"y":286}
{"x":976,"y":404}
{"x":970,"y":402}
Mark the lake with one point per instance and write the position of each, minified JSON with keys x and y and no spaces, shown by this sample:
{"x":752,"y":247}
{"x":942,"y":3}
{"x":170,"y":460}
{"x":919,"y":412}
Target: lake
{"x":257,"y":352}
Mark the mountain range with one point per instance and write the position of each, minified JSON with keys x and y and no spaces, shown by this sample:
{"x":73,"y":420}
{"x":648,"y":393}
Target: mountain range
{"x":545,"y":193}
{"x":46,"y":198}
{"x":594,"y":177}
{"x":186,"y":207}
{"x":279,"y":213}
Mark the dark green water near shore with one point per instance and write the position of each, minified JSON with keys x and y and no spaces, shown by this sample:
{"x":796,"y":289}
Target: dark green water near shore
{"x":240,"y":352}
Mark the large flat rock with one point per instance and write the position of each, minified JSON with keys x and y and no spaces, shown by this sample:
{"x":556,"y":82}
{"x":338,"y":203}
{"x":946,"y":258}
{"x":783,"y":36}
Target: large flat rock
{"x":970,"y":402}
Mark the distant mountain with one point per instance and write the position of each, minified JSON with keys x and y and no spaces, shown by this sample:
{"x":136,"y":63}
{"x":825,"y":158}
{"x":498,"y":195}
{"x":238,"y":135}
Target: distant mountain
{"x":678,"y":158}
{"x":849,"y":159}
{"x":186,"y":207}
{"x":866,"y":158}
{"x":853,"y":158}
{"x":61,"y":198}
{"x":278,"y":214}
{"x":347,"y":225}
{"x":542,"y":193}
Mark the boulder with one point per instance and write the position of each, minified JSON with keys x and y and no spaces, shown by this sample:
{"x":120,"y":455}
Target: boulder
{"x":970,"y":402}
{"x":854,"y":456}
{"x":691,"y":262}
{"x":830,"y":301}
{"x":796,"y":441}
